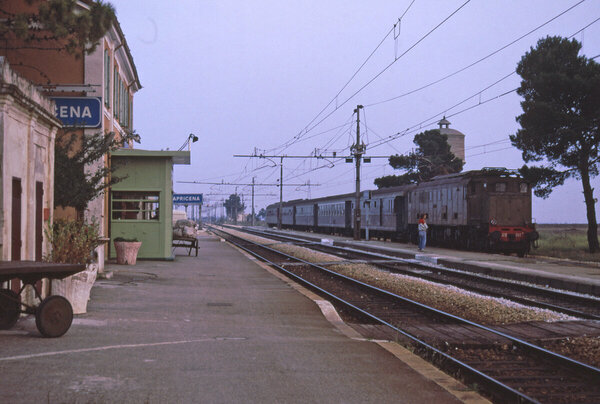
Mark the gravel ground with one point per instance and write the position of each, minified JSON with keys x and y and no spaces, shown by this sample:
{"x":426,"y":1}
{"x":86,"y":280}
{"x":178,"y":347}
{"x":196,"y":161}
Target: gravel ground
{"x":478,"y":308}
{"x":583,"y":349}
{"x":474,"y":307}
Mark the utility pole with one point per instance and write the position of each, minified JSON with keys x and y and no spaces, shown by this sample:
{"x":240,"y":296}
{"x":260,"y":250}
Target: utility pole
{"x":357,"y":150}
{"x":280,"y":185}
{"x":279,"y":212}
{"x":252,"y":201}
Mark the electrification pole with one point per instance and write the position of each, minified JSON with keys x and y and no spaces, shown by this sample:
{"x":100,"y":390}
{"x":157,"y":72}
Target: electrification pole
{"x":357,"y":150}
{"x":252,"y":201}
{"x":279,"y":213}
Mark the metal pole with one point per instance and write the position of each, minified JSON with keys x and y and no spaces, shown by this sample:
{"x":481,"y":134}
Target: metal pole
{"x":358,"y":150}
{"x":280,"y":212}
{"x":252,"y":201}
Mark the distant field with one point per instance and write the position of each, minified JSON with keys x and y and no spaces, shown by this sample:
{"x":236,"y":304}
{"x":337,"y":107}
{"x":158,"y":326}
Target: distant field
{"x":564,"y":241}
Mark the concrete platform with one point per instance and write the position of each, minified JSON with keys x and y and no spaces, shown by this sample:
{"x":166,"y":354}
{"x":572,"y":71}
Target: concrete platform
{"x":217,"y":328}
{"x":581,"y":277}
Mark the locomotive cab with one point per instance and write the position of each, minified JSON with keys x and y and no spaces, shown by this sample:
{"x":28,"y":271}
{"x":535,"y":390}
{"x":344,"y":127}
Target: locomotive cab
{"x":499,"y":206}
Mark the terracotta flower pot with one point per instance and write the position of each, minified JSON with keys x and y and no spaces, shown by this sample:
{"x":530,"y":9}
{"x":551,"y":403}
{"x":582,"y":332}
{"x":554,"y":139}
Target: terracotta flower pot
{"x":127,"y":251}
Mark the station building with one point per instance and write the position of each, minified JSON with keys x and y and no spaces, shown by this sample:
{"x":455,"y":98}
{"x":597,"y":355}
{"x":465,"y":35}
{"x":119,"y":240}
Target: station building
{"x":95,"y":91}
{"x":28,"y":131}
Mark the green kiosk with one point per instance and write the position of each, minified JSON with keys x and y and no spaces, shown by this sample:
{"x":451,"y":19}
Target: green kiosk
{"x":141,"y":205}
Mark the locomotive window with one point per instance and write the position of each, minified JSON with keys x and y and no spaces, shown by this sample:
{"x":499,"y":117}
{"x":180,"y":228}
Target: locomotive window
{"x":523,"y":187}
{"x":473,"y":187}
{"x":501,"y":187}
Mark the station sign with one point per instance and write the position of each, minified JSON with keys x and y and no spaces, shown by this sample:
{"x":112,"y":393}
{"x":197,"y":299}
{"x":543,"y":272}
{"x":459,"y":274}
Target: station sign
{"x":80,"y":112}
{"x":187,"y":199}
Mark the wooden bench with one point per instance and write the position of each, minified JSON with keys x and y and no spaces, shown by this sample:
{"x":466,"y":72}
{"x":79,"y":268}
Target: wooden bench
{"x":190,"y":243}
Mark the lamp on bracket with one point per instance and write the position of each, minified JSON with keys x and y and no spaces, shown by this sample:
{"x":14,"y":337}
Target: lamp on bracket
{"x":188,"y":142}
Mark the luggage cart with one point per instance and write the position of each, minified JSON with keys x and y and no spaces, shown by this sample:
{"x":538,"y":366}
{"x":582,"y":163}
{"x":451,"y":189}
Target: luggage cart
{"x":54,"y":314}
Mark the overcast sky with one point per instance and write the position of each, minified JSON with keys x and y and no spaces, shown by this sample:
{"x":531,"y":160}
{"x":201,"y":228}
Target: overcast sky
{"x":284,"y":77}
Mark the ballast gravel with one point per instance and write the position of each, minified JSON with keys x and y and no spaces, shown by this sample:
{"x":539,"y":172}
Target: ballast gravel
{"x":471,"y":306}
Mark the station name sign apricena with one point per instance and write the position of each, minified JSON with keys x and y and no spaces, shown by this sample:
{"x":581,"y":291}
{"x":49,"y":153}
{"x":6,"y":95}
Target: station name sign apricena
{"x":187,"y":199}
{"x":80,"y":112}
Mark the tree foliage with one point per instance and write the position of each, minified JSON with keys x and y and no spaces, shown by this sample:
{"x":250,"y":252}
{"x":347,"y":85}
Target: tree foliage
{"x":234,"y":206}
{"x":57,"y":25}
{"x":431,"y":157}
{"x":80,"y":174}
{"x":262,"y":214}
{"x":560,"y":123}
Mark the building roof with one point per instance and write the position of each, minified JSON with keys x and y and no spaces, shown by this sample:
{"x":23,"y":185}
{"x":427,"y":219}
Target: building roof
{"x":178,"y":157}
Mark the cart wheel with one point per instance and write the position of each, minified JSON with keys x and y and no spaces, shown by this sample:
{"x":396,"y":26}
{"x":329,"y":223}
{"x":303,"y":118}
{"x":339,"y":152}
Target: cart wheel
{"x":54,"y":316}
{"x":10,"y":308}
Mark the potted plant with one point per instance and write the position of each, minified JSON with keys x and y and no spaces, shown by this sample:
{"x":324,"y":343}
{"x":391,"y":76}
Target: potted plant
{"x":127,"y":250}
{"x":74,"y":242}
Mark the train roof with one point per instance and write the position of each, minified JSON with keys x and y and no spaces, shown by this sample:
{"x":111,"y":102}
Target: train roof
{"x":500,"y":172}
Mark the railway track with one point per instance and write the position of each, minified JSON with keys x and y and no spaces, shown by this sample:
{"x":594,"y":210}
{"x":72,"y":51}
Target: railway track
{"x":505,"y":367}
{"x":582,"y":306}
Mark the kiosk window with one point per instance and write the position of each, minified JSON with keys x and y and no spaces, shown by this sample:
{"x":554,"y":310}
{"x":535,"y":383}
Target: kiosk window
{"x":135,"y":205}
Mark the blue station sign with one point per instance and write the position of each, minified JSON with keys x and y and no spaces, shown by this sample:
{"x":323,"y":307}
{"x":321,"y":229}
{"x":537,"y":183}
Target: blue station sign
{"x":187,"y":199}
{"x":81,"y":112}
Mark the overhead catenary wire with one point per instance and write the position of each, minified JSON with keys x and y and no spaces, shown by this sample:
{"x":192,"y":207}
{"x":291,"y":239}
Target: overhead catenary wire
{"x":309,"y":128}
{"x":285,"y":145}
{"x":429,"y":122}
{"x":425,"y":122}
{"x":389,"y":65}
{"x":481,"y":59}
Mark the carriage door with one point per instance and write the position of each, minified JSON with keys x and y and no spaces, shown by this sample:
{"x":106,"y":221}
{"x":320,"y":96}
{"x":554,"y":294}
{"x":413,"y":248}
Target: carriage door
{"x":381,"y":212}
{"x":315,"y":216}
{"x":399,"y":210}
{"x":294,"y":215}
{"x":348,"y":215}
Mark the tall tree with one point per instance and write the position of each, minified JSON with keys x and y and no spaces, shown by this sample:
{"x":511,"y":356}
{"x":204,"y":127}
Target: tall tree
{"x":234,"y":206}
{"x":55,"y":25}
{"x":560,"y":123}
{"x":431,"y":157}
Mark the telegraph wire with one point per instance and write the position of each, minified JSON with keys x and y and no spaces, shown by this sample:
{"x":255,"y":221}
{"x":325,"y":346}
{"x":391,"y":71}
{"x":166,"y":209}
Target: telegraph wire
{"x":299,"y":135}
{"x":426,"y":122}
{"x":338,"y":106}
{"x":389,"y":65}
{"x":481,"y":59}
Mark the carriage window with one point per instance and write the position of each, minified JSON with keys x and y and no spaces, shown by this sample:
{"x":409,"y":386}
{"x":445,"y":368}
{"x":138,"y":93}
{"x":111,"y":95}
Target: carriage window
{"x":135,"y":205}
{"x":501,"y":187}
{"x":523,"y":188}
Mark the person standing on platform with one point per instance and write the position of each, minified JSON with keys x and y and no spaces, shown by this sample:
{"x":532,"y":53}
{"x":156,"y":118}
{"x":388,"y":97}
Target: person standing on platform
{"x":422,"y":231}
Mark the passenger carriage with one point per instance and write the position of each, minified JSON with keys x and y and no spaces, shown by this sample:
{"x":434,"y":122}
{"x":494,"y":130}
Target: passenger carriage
{"x":488,"y":209}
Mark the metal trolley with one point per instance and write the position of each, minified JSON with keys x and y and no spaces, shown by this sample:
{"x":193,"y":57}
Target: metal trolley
{"x":54,"y":314}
